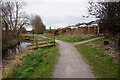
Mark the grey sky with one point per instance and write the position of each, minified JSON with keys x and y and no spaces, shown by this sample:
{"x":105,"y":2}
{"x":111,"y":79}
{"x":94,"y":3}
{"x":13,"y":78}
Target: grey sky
{"x":59,"y":13}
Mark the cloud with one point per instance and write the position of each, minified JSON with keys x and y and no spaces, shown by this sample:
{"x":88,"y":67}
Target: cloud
{"x":58,"y":12}
{"x":54,"y":1}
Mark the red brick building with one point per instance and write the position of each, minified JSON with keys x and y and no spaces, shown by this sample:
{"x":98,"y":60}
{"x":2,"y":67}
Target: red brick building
{"x":92,"y":28}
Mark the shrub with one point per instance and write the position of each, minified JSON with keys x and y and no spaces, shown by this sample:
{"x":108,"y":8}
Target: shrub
{"x":106,"y":42}
{"x":56,"y":32}
{"x":63,"y":31}
{"x":60,"y":32}
{"x":119,"y":42}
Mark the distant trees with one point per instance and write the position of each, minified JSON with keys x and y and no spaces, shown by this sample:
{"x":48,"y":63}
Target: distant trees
{"x":37,"y":24}
{"x":50,"y":28}
{"x":109,"y":15}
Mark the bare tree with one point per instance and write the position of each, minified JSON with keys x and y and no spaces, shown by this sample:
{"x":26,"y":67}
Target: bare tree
{"x":37,"y":24}
{"x":0,"y":20}
{"x":109,"y":15}
{"x":12,"y":17}
{"x":23,"y":30}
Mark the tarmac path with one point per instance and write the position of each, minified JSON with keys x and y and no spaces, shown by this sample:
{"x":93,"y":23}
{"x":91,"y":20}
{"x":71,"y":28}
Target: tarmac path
{"x":71,"y":64}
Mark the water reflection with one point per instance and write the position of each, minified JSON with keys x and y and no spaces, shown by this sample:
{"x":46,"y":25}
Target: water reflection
{"x":20,"y":48}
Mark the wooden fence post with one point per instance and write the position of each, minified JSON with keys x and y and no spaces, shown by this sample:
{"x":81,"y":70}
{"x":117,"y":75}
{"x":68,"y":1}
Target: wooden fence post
{"x":54,"y":38}
{"x":37,"y":43}
{"x":47,"y":41}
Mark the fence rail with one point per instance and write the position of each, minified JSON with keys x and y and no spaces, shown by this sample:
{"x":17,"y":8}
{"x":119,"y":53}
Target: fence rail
{"x":38,"y":43}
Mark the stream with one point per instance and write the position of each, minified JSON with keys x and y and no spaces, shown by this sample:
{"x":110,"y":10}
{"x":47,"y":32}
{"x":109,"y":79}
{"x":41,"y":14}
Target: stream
{"x":20,"y":48}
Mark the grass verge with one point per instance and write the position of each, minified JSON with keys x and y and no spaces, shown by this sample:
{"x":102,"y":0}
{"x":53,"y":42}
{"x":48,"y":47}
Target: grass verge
{"x":39,"y":64}
{"x":69,"y":38}
{"x":103,"y":65}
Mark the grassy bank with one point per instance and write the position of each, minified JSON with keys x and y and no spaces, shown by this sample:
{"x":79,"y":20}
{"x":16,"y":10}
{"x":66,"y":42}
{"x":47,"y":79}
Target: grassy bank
{"x":69,"y":38}
{"x":39,"y":64}
{"x":103,"y":65}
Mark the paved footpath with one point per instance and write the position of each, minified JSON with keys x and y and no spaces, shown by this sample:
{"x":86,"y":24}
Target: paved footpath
{"x":87,"y":40}
{"x":71,"y":64}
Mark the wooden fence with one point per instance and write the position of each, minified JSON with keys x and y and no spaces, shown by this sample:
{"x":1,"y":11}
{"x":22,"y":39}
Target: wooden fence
{"x":39,"y":43}
{"x":42,"y":43}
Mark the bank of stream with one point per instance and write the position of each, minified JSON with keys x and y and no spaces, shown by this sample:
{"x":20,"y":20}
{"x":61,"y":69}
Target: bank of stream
{"x":18,"y":49}
{"x":9,"y":56}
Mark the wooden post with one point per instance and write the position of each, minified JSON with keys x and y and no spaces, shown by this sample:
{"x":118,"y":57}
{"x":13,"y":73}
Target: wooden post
{"x":54,"y":37}
{"x":98,"y":29}
{"x":37,"y":43}
{"x":47,"y":41}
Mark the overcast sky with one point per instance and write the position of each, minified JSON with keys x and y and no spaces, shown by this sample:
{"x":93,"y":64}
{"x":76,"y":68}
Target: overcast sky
{"x":59,"y":13}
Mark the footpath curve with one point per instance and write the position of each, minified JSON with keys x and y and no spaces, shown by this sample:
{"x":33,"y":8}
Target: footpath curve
{"x":71,"y":64}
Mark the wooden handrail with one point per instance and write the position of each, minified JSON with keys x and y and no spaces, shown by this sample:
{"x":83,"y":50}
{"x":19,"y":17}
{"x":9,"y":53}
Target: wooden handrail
{"x":41,"y":43}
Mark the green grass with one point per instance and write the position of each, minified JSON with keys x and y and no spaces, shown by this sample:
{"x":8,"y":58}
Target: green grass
{"x":39,"y":64}
{"x":40,"y":46}
{"x":102,"y":65}
{"x":23,"y":34}
{"x":69,"y":38}
{"x":48,"y":35}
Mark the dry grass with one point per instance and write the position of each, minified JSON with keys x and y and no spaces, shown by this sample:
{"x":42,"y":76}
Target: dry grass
{"x":110,"y":49}
{"x":98,"y":56}
{"x":78,"y":32}
{"x":12,"y":61}
{"x":8,"y":40}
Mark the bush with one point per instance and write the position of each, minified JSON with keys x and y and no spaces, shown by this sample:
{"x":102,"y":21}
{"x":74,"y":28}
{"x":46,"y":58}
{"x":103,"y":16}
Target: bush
{"x":119,"y":42}
{"x":63,"y":31}
{"x":56,"y":32}
{"x":106,"y":42}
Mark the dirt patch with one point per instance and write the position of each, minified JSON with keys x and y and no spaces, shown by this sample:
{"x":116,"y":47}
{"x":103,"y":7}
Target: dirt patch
{"x":92,"y":45}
